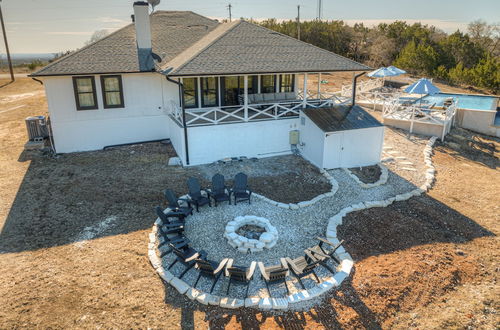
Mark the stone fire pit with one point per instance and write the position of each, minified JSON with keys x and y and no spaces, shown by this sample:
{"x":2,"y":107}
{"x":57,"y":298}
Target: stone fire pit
{"x":251,"y":233}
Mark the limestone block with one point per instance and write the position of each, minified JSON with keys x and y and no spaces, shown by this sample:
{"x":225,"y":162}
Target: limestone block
{"x":293,"y":206}
{"x":203,"y":298}
{"x":232,"y":303}
{"x":340,"y":276}
{"x":180,"y":285}
{"x":279,"y":303}
{"x":346,"y":265}
{"x":213,"y":300}
{"x":265,"y":303}
{"x":271,"y":244}
{"x":283,"y":205}
{"x":266,"y":237}
{"x":166,"y":275}
{"x":243,"y":249}
{"x":252,"y":302}
{"x":193,"y":293}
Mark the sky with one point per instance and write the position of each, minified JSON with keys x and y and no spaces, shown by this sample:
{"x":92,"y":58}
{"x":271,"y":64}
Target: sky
{"x":49,"y":26}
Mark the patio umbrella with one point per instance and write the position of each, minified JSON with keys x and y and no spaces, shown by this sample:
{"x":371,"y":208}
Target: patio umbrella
{"x":423,"y":86}
{"x":382,"y":73}
{"x":398,"y":71}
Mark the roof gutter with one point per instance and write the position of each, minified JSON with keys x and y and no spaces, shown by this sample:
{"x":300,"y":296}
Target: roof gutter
{"x":181,"y":101}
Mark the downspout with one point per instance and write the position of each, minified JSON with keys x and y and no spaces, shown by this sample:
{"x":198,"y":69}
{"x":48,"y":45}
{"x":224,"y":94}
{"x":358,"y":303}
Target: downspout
{"x":181,"y":101}
{"x":354,"y":87}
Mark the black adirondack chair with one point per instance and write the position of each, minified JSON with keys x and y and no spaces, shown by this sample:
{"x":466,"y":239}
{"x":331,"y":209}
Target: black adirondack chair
{"x":171,"y":226}
{"x":179,"y":241}
{"x":195,"y":195}
{"x":177,"y":209}
{"x":275,"y":274}
{"x":304,"y":266}
{"x":185,"y":256}
{"x":325,"y":250}
{"x":219,"y":192}
{"x":209,"y":269}
{"x":241,"y":191}
{"x":239,"y":275}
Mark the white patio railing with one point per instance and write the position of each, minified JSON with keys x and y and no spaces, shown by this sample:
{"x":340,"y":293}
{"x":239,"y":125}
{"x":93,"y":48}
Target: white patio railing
{"x":415,"y":113}
{"x":363,"y":86}
{"x":253,"y":112}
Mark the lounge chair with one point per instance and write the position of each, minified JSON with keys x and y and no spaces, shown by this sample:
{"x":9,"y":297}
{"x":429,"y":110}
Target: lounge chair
{"x":219,"y":192}
{"x":209,"y":269}
{"x":304,"y":266}
{"x":195,"y":195}
{"x":173,"y":203}
{"x":326,"y":250}
{"x":179,"y":241}
{"x":241,"y":191}
{"x":242,"y":275}
{"x":275,"y":274}
{"x":185,"y":256}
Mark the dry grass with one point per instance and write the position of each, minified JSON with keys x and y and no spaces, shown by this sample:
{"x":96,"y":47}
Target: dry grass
{"x":430,"y":262}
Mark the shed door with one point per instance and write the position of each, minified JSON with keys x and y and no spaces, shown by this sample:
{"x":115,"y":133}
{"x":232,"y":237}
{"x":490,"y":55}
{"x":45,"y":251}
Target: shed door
{"x":332,"y":155}
{"x":362,"y":147}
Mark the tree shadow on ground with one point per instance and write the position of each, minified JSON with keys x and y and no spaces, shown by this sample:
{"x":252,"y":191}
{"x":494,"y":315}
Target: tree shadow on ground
{"x":84,"y":196}
{"x":323,"y":313}
{"x":464,"y":144}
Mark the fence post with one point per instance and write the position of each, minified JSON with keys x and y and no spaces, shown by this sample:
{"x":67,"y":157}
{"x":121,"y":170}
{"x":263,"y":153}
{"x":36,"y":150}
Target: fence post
{"x":304,"y":90}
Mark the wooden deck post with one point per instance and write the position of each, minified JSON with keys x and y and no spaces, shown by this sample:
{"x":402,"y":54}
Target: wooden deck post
{"x":304,"y":92}
{"x":245,"y":99}
{"x":319,"y":85}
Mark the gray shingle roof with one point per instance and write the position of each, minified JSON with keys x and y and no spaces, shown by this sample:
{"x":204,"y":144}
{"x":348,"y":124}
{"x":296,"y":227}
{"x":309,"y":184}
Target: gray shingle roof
{"x":249,"y":48}
{"x":171,"y":32}
{"x":190,"y":44}
{"x":334,"y":119}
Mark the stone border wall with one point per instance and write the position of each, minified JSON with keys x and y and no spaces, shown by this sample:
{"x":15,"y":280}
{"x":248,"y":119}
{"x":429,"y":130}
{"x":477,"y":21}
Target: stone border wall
{"x":287,"y":302}
{"x":296,"y":206}
{"x":384,"y":175}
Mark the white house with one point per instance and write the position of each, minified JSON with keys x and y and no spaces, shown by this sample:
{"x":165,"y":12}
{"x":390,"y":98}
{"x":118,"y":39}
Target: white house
{"x":214,"y":89}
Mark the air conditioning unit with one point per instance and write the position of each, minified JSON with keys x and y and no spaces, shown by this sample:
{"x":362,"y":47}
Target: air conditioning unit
{"x":37,"y":128}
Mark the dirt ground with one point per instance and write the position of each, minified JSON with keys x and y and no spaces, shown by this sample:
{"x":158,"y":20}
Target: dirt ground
{"x":428,"y":263}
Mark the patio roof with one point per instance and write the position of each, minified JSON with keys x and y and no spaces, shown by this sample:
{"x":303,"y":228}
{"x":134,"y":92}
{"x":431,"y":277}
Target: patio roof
{"x":333,"y":119}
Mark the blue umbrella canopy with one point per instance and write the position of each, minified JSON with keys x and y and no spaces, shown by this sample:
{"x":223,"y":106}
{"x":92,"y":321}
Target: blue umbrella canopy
{"x":382,"y":72}
{"x":396,"y":70}
{"x":422,"y":86}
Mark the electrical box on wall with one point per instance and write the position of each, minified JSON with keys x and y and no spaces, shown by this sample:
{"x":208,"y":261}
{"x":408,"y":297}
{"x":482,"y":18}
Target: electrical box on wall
{"x":294,"y":137}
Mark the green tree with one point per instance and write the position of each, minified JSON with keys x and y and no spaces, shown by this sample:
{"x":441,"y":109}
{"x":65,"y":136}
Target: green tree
{"x":418,"y":59}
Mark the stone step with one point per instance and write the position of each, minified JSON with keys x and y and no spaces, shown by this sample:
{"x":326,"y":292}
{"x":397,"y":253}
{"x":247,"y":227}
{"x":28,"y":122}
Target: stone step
{"x":409,"y":169}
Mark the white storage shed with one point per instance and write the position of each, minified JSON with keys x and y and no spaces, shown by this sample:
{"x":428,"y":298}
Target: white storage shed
{"x":340,"y":136}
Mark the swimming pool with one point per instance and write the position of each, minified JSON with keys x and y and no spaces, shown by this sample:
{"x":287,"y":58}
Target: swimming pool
{"x":473,"y":102}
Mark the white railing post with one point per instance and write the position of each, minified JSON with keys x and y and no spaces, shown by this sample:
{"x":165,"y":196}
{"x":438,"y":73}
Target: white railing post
{"x":319,"y":85}
{"x":245,"y":102}
{"x":304,"y":98}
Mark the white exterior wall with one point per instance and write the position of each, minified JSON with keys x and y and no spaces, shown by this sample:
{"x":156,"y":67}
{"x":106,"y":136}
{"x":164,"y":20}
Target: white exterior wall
{"x":361,"y":147}
{"x":352,"y":148}
{"x":481,"y":121}
{"x":255,"y":139}
{"x":143,"y":118}
{"x":312,"y":141}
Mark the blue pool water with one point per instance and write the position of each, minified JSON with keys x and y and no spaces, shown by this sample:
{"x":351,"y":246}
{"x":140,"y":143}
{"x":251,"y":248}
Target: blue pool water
{"x":475,"y":102}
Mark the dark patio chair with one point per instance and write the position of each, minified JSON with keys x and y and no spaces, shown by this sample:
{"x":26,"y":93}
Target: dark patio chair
{"x":241,"y":191}
{"x":219,"y":192}
{"x":195,"y":195}
{"x":326,"y":250}
{"x":185,"y":256}
{"x":171,"y":226}
{"x":179,"y":241}
{"x":275,"y":274}
{"x":173,"y":204}
{"x":240,"y":275}
{"x":209,"y":269}
{"x":304,"y":266}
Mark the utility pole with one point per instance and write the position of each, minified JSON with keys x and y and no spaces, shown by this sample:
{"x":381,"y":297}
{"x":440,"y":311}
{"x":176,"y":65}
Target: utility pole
{"x":229,"y":7}
{"x":320,"y":9}
{"x":298,"y":22}
{"x":6,"y":45}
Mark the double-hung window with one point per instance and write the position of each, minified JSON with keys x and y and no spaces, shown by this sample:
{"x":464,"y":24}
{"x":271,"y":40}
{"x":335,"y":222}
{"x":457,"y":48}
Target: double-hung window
{"x":85,"y":93}
{"x":112,"y":91}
